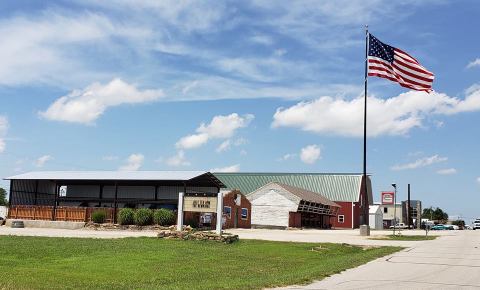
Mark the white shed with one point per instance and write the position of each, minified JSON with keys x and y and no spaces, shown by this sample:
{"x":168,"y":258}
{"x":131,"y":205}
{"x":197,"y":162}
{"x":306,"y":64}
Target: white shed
{"x":3,"y":211}
{"x":277,"y":205}
{"x":376,"y":217}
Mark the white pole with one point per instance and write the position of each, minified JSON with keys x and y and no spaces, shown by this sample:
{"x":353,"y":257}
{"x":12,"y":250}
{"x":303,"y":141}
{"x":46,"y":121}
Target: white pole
{"x":180,"y":211}
{"x":395,"y":211}
{"x":218,"y":229}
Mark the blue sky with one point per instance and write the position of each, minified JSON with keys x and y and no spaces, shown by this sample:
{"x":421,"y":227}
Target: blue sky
{"x":241,"y":86}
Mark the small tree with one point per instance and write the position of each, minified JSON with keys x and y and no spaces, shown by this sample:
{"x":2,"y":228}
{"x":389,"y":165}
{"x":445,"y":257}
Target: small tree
{"x":3,"y":197}
{"x":434,"y":214}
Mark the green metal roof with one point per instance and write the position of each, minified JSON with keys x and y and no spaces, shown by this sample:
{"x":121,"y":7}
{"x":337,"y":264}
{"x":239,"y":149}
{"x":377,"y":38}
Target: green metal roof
{"x":336,"y":187}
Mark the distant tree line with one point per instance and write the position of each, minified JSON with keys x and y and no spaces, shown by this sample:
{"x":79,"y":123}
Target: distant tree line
{"x":436,"y":214}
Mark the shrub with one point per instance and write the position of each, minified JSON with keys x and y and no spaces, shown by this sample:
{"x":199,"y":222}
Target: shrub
{"x":143,"y":217}
{"x":99,"y":216}
{"x":126,"y":216}
{"x":164,"y":217}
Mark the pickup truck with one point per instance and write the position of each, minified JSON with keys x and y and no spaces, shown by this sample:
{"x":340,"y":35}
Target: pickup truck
{"x":399,"y":226}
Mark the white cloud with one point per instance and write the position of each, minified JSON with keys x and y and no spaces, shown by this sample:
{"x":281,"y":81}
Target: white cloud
{"x":310,"y":154}
{"x":133,"y":162}
{"x":192,"y":141}
{"x":227,"y":144}
{"x":225,"y":126}
{"x":3,"y":132}
{"x":42,"y":160}
{"x":393,"y":116}
{"x":447,"y":171}
{"x":478,"y":179}
{"x":224,"y":146}
{"x":86,"y":105}
{"x":48,"y":47}
{"x":474,"y":63}
{"x":287,"y":156}
{"x":221,"y":127}
{"x":265,"y":69}
{"x":187,"y":15}
{"x":232,"y":168}
{"x":109,"y":158}
{"x":262,"y":39}
{"x":422,"y":162}
{"x":178,"y":160}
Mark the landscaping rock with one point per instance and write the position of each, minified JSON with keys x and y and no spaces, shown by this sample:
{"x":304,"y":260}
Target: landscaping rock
{"x":189,"y":234}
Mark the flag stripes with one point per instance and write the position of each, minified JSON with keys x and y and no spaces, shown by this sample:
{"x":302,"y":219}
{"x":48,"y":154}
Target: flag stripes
{"x":396,"y":65}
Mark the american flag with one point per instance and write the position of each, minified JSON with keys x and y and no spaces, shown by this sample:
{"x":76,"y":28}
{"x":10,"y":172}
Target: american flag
{"x":391,"y":63}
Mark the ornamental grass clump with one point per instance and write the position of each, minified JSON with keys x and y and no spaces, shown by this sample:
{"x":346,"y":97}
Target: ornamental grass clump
{"x":143,"y":217}
{"x":99,"y":216}
{"x":126,"y":216}
{"x":164,"y":217}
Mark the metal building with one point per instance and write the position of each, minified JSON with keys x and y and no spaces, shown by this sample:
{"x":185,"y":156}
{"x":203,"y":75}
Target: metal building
{"x":107,"y":189}
{"x":342,"y":189}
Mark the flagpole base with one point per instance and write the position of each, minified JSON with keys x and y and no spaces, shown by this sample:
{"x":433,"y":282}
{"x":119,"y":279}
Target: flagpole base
{"x":364,"y":230}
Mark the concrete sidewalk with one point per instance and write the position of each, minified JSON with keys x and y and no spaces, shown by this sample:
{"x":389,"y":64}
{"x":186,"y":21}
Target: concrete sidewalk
{"x":313,"y":236}
{"x":333,"y":236}
{"x":78,"y":233}
{"x":450,"y":262}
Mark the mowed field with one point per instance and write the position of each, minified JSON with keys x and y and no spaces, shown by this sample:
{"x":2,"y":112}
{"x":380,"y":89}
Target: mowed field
{"x":146,"y":263}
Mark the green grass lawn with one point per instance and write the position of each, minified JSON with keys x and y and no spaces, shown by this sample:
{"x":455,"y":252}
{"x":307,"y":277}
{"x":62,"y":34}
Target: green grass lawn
{"x":133,"y":263}
{"x":404,"y":238}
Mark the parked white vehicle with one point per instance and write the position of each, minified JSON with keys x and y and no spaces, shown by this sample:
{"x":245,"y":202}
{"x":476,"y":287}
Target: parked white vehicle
{"x":476,"y":224}
{"x":399,"y":226}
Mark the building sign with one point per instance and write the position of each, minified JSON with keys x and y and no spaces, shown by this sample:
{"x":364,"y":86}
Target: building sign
{"x":200,"y":203}
{"x":63,"y":191}
{"x":387,"y":197}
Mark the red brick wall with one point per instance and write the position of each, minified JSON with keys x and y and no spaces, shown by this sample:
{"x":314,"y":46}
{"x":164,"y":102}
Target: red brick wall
{"x":229,"y":200}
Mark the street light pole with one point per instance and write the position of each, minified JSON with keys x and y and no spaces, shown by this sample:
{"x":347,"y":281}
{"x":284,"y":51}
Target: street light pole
{"x":394,"y":208}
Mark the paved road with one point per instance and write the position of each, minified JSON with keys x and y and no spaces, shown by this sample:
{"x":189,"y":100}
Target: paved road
{"x":335,"y":236}
{"x":450,"y":262}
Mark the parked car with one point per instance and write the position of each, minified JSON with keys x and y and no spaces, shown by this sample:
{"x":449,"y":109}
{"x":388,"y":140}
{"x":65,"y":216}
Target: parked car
{"x":399,"y":226}
{"x":476,"y":224}
{"x":440,"y":227}
{"x":468,"y":227}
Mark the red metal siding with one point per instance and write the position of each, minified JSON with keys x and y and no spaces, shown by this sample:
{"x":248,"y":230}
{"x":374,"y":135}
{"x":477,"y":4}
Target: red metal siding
{"x":295,"y":220}
{"x":356,"y":214}
{"x":346,"y":211}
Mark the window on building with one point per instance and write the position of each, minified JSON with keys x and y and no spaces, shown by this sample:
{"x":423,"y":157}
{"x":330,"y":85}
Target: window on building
{"x":227,"y":211}
{"x":341,"y":219}
{"x":385,"y":210}
{"x":244,"y":213}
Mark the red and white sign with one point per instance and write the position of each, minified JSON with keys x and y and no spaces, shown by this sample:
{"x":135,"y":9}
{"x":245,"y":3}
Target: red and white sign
{"x":388,"y":197}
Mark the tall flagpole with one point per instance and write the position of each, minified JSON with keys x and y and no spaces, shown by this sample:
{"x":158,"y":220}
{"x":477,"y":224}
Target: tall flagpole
{"x":365,"y":191}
